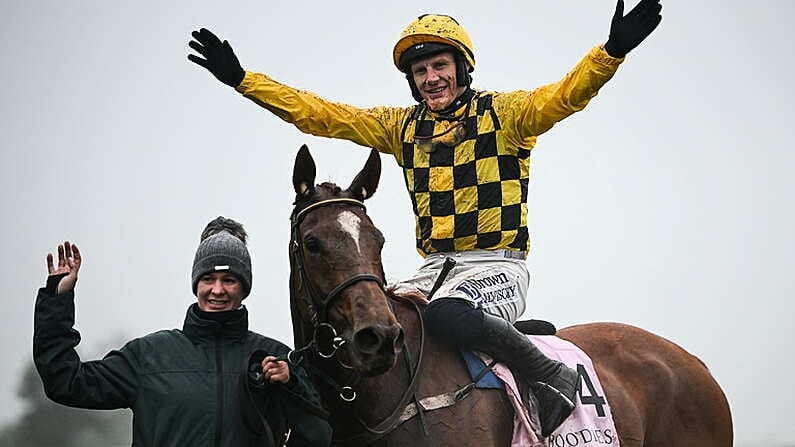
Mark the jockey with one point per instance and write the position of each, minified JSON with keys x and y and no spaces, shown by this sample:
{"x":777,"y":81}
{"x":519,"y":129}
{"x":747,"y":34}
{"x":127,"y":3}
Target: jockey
{"x":465,"y":156}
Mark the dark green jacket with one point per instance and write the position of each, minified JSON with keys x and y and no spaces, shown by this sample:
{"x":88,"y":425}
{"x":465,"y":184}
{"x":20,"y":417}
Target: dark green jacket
{"x":183,"y":386}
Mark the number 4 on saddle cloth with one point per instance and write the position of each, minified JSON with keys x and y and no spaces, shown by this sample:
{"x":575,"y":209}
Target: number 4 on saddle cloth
{"x":591,"y":423}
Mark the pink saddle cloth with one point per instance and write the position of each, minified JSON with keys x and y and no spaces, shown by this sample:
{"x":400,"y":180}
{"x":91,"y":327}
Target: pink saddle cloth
{"x":591,"y":423}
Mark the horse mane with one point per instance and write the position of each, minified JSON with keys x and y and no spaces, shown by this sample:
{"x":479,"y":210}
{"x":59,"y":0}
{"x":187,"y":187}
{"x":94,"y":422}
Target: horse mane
{"x":321,"y":191}
{"x":408,"y":295}
{"x":331,"y":187}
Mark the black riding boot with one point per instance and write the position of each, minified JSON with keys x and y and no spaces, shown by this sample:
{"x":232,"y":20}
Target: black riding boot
{"x":554,"y":384}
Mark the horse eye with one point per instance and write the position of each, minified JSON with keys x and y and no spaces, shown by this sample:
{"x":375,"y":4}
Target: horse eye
{"x":312,"y":244}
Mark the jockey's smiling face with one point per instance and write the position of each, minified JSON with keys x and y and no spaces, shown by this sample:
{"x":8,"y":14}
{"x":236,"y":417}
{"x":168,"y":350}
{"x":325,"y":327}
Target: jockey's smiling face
{"x":435,"y":79}
{"x":219,"y":291}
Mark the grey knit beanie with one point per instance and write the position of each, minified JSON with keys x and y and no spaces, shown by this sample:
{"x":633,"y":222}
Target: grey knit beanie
{"x":223,"y":248}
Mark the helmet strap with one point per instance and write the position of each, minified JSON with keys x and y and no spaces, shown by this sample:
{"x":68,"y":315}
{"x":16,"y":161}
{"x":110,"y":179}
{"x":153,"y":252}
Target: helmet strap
{"x":462,"y":75}
{"x":415,"y":92}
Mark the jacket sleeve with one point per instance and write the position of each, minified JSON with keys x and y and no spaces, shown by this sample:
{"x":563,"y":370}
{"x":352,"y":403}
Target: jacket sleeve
{"x":529,"y":114}
{"x":377,"y":128}
{"x":304,"y":412}
{"x":100,"y":384}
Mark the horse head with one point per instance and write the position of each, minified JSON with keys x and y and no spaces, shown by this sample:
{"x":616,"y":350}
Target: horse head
{"x":337,"y":279}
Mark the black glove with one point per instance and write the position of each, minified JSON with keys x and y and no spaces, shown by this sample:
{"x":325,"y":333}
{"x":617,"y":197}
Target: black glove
{"x":219,"y":58}
{"x":627,"y":32}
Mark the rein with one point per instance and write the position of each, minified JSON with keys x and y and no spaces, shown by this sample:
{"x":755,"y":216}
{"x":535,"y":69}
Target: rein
{"x":326,"y":342}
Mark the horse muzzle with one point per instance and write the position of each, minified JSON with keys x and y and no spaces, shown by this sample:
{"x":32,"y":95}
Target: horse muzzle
{"x":374,"y":348}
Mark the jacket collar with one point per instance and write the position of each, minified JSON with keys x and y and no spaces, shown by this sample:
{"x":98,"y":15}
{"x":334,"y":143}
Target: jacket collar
{"x":202,"y":329}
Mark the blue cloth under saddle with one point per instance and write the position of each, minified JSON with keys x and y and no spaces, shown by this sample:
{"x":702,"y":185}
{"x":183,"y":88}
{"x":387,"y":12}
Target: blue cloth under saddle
{"x":475,"y":365}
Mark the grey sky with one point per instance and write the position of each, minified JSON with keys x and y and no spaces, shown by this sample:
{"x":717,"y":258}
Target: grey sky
{"x":665,"y":204}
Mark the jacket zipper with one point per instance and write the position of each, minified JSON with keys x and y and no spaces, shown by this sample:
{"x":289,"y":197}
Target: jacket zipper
{"x":219,"y":400}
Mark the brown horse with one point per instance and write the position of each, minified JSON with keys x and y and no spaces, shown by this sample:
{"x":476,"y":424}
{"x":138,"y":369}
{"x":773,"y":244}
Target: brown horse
{"x":369,"y":356}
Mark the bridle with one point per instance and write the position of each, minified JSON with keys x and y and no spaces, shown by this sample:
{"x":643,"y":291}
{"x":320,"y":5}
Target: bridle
{"x":325,"y":340}
{"x":319,"y":303}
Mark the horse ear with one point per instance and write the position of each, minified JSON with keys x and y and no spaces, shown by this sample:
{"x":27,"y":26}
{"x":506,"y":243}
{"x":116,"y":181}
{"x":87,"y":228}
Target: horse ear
{"x":304,"y":172}
{"x":364,"y":185}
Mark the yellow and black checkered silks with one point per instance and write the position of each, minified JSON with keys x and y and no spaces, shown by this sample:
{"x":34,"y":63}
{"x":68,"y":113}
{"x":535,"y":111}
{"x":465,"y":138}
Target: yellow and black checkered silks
{"x":472,"y":195}
{"x":467,"y":195}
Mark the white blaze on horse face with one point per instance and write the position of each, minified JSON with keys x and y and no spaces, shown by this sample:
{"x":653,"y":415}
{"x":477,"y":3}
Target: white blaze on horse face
{"x":350,"y":224}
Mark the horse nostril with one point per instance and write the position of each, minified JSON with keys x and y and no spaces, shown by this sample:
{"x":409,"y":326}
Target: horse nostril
{"x":387,"y":340}
{"x":368,"y":340}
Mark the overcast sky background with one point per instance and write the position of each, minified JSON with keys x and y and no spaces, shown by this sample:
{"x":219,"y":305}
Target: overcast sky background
{"x":666,"y":204}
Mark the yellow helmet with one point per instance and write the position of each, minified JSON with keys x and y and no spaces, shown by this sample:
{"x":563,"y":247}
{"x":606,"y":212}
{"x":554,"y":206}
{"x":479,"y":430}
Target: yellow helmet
{"x":433,"y":28}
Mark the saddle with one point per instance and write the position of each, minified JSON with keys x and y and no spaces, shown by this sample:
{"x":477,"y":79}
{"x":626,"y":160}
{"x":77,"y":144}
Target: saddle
{"x":535,"y":327}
